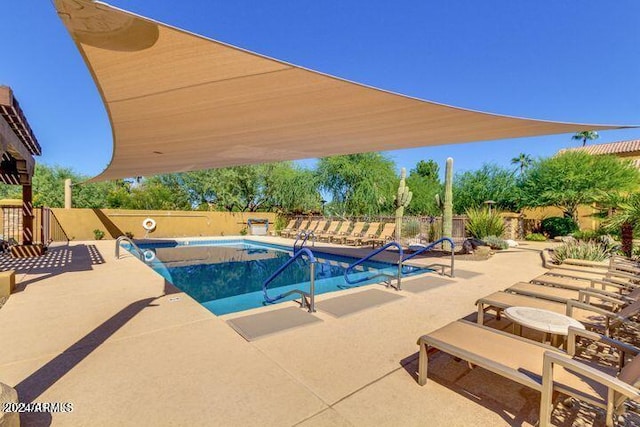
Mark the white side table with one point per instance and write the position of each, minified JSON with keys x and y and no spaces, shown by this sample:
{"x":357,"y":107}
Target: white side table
{"x":549,"y":322}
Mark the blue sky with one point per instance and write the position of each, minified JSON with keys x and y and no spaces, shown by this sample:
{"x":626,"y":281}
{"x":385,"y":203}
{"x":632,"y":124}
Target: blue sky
{"x":567,"y":61}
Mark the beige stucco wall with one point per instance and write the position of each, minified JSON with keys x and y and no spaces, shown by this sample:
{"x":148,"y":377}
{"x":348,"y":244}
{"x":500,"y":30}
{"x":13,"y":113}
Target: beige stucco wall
{"x":80,"y":223}
{"x":586,"y":220}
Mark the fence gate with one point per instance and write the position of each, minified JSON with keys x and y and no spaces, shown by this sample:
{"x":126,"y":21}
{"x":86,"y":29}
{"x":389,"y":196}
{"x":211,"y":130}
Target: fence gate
{"x":46,"y":228}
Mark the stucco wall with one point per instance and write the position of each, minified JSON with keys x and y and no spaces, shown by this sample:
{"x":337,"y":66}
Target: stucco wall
{"x":586,"y":220}
{"x":80,"y":223}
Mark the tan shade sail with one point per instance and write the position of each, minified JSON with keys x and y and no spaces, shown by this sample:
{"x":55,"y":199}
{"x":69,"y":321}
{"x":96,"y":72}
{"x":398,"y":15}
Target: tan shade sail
{"x":178,"y":102}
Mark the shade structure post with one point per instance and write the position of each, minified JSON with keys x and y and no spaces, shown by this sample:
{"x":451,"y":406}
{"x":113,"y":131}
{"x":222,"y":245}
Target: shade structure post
{"x":27,"y":214}
{"x":67,"y":194}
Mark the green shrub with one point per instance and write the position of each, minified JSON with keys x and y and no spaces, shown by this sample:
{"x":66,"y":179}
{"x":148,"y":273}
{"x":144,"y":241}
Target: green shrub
{"x":411,"y":228}
{"x":590,"y":251}
{"x":535,"y":237}
{"x":558,"y":226}
{"x":244,"y":231}
{"x":435,"y":232}
{"x":98,"y":234}
{"x":586,"y":235}
{"x":281,"y":222}
{"x":496,"y":242}
{"x":481,"y":223}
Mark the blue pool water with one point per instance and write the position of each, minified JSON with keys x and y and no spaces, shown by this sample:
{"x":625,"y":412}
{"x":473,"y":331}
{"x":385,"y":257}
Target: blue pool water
{"x":227,"y":276}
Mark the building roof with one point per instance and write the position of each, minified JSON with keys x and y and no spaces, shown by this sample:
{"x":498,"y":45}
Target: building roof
{"x":620,"y":147}
{"x":178,"y":101}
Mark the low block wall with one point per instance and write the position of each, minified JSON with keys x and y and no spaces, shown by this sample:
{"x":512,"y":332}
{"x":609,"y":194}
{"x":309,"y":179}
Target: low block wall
{"x":80,"y":223}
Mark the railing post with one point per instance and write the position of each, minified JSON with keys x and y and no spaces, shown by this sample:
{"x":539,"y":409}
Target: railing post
{"x":42,"y":239}
{"x":312,"y":289}
{"x":399,"y":273}
{"x":452,"y":260}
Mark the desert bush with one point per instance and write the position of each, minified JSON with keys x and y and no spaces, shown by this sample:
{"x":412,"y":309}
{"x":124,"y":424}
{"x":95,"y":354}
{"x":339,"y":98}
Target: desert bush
{"x":558,"y":226}
{"x":586,"y":235}
{"x":535,"y":237}
{"x":98,"y":234}
{"x":481,"y":223}
{"x":496,"y":242}
{"x":281,"y":222}
{"x":591,"y":251}
{"x":411,"y":228}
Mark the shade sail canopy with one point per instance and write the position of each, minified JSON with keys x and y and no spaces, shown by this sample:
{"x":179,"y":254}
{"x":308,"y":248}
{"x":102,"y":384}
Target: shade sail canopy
{"x":178,"y":101}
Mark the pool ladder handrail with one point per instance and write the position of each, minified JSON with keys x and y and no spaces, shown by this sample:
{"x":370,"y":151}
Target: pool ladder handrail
{"x":388,"y":276}
{"x":305,"y":236}
{"x":133,"y":245}
{"x":304,"y":295}
{"x":431,"y":246}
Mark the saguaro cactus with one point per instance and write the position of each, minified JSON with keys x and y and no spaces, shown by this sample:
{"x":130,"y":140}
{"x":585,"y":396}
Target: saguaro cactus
{"x":403,"y":198}
{"x":447,"y":212}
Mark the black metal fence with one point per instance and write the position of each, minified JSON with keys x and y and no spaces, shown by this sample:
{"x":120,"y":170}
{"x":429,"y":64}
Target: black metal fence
{"x":46,"y":227}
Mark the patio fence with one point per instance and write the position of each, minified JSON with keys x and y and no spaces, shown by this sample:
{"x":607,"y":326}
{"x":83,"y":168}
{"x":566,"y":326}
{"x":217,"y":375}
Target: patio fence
{"x":46,"y":227}
{"x":421,"y":229}
{"x":415,"y":229}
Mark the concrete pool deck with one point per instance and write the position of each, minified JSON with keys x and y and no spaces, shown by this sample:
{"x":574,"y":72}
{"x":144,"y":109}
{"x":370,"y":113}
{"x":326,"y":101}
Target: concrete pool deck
{"x":126,"y":348}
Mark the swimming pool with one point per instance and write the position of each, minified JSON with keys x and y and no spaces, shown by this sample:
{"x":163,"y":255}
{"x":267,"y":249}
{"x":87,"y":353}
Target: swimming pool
{"x":226,"y":276}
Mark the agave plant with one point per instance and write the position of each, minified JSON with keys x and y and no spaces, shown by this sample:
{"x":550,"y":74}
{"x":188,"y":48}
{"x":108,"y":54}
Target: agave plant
{"x":626,"y":217}
{"x":590,"y":251}
{"x":482,"y":223}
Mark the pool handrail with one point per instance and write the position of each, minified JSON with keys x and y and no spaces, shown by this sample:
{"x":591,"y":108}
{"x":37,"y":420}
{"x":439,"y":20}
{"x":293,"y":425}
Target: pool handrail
{"x":133,"y":245}
{"x":431,"y":246}
{"x":305,"y":238}
{"x":304,"y":295}
{"x":371,"y":255}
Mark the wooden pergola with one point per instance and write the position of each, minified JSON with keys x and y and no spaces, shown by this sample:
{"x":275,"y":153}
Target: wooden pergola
{"x":18,"y":145}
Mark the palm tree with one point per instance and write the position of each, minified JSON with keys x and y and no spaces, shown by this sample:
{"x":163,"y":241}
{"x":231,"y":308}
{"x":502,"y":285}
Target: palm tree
{"x":584,"y":136}
{"x":626,"y":217}
{"x":523,"y":161}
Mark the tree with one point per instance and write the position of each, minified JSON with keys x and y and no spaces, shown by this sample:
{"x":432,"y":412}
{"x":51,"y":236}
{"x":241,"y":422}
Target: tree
{"x":292,"y":189}
{"x":491,"y":182}
{"x":626,"y":218}
{"x":360,"y":184}
{"x":584,"y":136}
{"x":48,"y":188}
{"x":428,"y":170}
{"x":160,"y":192}
{"x":281,"y":186}
{"x":424,"y":182}
{"x":574,"y":178}
{"x":523,"y":161}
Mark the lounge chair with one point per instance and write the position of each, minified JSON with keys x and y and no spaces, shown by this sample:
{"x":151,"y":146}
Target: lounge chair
{"x":540,"y":367}
{"x":303,"y":226}
{"x":615,"y":269}
{"x":593,"y":317}
{"x":290,"y":227}
{"x":581,"y":283}
{"x":385,"y":235}
{"x":310,"y":227}
{"x":333,"y":229}
{"x":356,"y":238}
{"x":339,"y":236}
{"x":356,"y":231}
{"x":322,"y":224}
{"x":585,"y":294}
{"x":609,"y":276}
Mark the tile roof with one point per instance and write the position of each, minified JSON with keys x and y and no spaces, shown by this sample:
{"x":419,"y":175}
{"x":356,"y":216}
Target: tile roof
{"x":619,"y":147}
